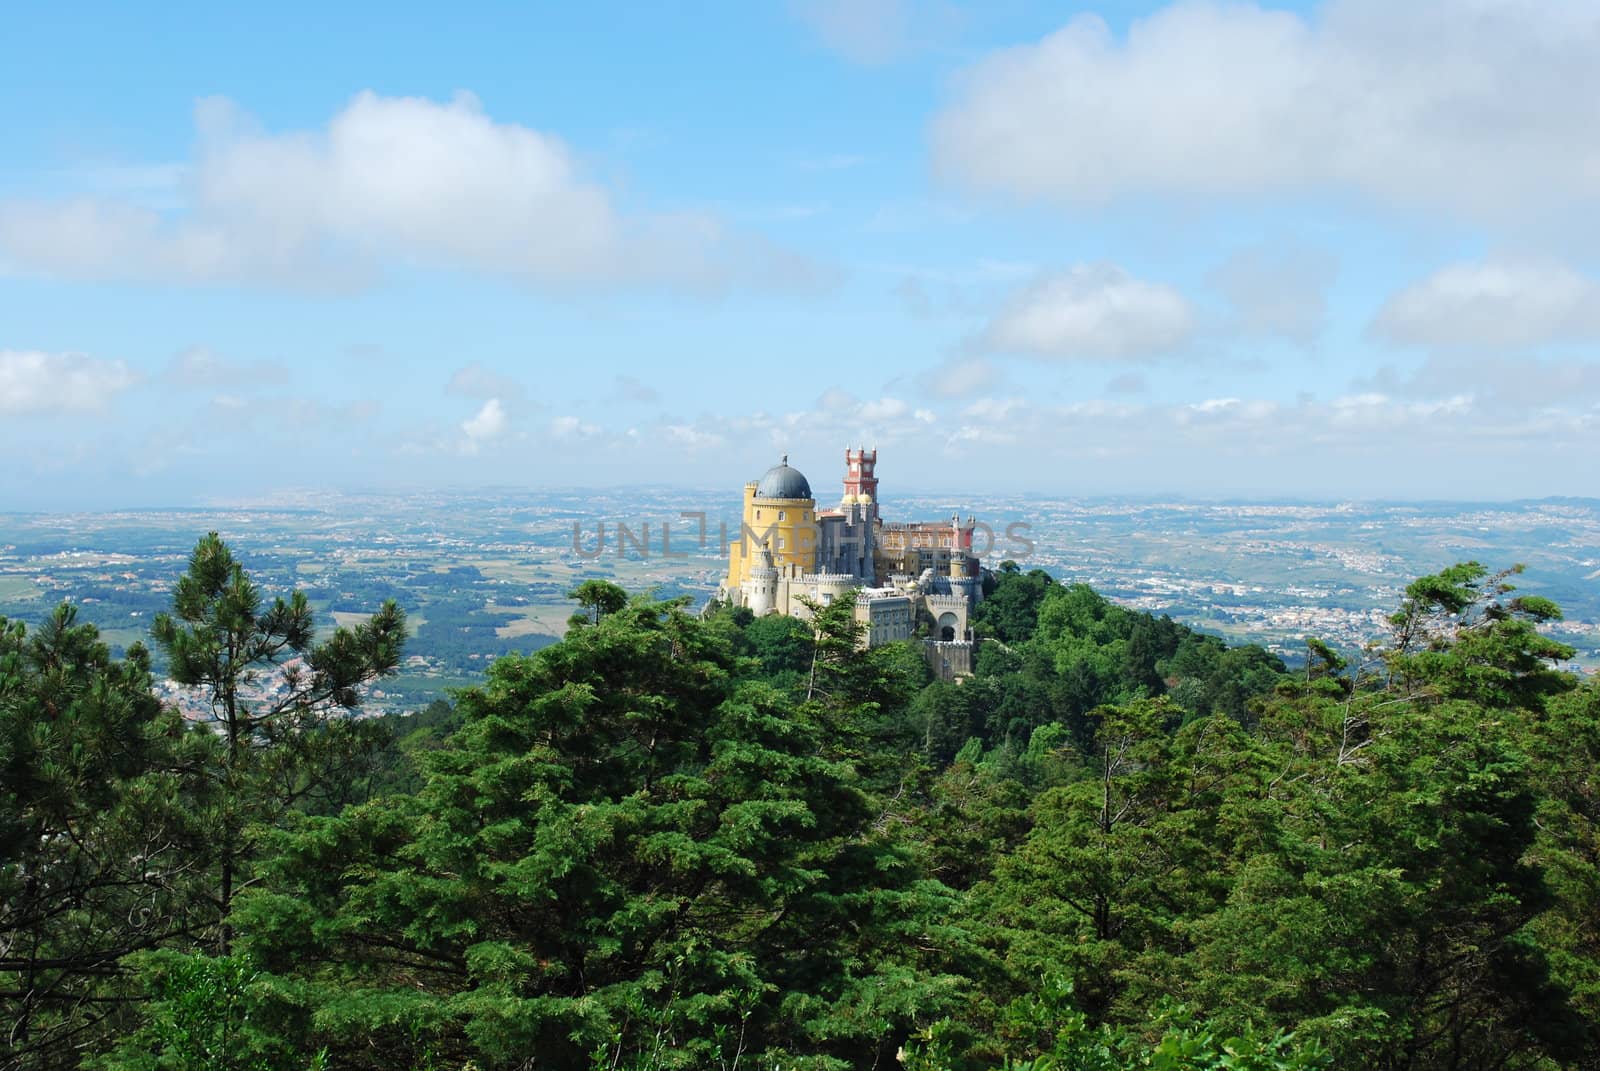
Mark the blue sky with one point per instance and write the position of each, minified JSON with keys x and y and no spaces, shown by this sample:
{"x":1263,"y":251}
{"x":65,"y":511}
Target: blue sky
{"x":1324,"y":250}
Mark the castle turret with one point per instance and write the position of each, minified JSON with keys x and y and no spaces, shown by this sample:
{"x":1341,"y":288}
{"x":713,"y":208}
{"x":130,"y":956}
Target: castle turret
{"x":780,"y":514}
{"x":760,"y":586}
{"x":860,"y":484}
{"x":959,"y":575}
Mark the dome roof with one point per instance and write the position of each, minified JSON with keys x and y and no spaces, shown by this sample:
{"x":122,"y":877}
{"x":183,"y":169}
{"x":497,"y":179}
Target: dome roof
{"x":781,"y":481}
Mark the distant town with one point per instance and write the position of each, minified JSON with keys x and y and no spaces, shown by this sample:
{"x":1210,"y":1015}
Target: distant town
{"x":484,"y":573}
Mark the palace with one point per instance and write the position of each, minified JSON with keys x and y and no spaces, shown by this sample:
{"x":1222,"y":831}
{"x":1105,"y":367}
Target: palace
{"x":900,"y":574}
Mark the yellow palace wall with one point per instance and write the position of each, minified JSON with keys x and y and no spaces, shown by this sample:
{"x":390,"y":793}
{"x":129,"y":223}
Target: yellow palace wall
{"x":788,"y":524}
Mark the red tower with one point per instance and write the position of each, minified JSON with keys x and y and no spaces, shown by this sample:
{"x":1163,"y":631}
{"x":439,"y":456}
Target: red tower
{"x":858,"y":477}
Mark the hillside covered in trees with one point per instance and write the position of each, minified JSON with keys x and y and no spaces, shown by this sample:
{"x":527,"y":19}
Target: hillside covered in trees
{"x":710,"y":841}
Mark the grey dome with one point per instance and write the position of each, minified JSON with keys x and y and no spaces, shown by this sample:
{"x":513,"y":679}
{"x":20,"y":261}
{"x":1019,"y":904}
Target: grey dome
{"x":781,"y":481}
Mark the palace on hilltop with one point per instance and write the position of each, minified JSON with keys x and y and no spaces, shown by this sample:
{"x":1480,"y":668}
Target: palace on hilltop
{"x":902,"y":575}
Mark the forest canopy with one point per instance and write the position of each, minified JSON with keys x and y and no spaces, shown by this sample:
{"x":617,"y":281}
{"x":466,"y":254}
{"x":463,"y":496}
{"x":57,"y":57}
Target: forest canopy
{"x":686,"y":840}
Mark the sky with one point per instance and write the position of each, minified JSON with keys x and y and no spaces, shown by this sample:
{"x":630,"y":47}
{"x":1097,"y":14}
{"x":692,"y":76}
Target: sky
{"x":1341,"y":250}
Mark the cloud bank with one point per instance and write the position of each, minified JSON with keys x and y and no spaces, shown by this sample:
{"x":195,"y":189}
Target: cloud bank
{"x":1493,"y":304}
{"x":388,"y":181}
{"x":1485,"y":107}
{"x":1092,"y":311}
{"x":32,"y":382}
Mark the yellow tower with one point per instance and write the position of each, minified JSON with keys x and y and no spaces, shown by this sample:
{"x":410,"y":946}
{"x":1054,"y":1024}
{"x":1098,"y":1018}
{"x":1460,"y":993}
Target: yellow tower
{"x":780,"y":513}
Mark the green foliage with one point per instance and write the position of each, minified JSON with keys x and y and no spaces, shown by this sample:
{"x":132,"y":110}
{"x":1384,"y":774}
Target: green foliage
{"x":1045,"y":1031}
{"x":405,"y":740}
{"x":273,"y":692}
{"x":1063,"y":651}
{"x":99,"y":840}
{"x":624,"y":851}
{"x":671,"y":841}
{"x":598,"y":598}
{"x":199,"y":1018}
{"x":781,"y":644}
{"x":1009,"y":611}
{"x":1457,"y":636}
{"x":1117,"y":860}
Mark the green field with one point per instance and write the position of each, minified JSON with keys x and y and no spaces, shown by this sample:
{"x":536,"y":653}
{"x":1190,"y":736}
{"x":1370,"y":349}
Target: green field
{"x":18,"y":589}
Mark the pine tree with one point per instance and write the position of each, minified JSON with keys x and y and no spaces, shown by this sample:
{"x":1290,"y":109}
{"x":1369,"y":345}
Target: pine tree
{"x":99,"y":846}
{"x":277,"y":697}
{"x":625,"y":856}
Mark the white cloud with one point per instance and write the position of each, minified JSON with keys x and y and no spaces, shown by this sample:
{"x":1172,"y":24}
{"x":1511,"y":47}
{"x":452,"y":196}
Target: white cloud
{"x":156,"y":183}
{"x":1277,"y":291}
{"x":35,"y":382}
{"x":959,"y":378}
{"x":1505,"y":384}
{"x":874,"y":32}
{"x":571,"y":427}
{"x":1344,"y":446}
{"x":1376,"y":410}
{"x":1454,"y":440}
{"x":884,"y":409}
{"x":489,"y":422}
{"x":837,"y":417}
{"x":994,"y":410}
{"x":476,"y":380}
{"x":1228,"y":410}
{"x":1487,"y":107}
{"x":200,"y":366}
{"x":977,"y":435}
{"x":1492,"y":304}
{"x":1092,"y":311}
{"x":388,"y":180}
{"x":691,"y":437}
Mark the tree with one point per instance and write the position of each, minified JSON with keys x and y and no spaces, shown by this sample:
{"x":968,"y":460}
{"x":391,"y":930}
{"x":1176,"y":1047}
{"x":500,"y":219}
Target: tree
{"x":1564,"y":749}
{"x":1010,"y":611}
{"x":198,"y":1018}
{"x":781,"y":643}
{"x":99,"y":843}
{"x":1457,"y":636}
{"x":272,"y":691}
{"x":598,"y":598}
{"x":626,"y":855}
{"x":1405,"y":912}
{"x":1045,"y":1031}
{"x":1116,"y":862}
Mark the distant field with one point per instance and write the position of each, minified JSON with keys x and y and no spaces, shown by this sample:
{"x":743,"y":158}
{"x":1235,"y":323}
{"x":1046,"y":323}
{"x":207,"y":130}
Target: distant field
{"x":522,"y":572}
{"x":549,"y":620}
{"x":18,"y":589}
{"x":125,"y":637}
{"x":351,"y":618}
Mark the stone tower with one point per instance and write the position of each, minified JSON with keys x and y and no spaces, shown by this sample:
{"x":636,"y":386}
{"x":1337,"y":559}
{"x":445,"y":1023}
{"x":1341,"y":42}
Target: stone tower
{"x":779,"y":514}
{"x":860,"y":485}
